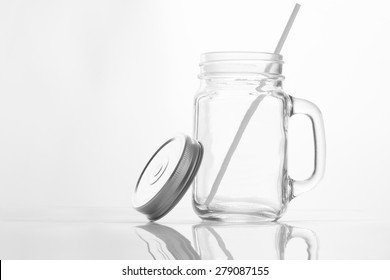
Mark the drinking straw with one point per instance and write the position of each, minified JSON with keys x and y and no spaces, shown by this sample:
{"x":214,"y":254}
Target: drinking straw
{"x":287,"y":29}
{"x":248,"y":115}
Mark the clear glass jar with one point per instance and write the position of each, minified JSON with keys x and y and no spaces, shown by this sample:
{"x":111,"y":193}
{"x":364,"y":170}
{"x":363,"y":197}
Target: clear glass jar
{"x":241,"y":120}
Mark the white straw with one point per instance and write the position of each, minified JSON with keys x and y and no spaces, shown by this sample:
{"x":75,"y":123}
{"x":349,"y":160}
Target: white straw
{"x":248,"y":115}
{"x":287,"y":29}
{"x":233,"y":146}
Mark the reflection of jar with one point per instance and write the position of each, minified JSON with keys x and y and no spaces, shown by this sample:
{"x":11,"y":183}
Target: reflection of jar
{"x":241,"y":120}
{"x":216,"y":241}
{"x":219,"y":241}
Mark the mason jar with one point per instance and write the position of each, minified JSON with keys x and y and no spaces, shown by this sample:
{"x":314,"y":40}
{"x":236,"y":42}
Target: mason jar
{"x":241,"y":121}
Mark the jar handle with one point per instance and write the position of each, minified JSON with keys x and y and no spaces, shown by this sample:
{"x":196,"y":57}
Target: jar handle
{"x":302,"y":106}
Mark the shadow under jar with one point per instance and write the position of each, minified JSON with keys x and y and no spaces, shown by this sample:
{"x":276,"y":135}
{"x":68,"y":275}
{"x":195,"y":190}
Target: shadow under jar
{"x":241,"y":120}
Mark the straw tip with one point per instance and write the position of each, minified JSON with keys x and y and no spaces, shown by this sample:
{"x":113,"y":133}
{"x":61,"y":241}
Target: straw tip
{"x":287,"y":28}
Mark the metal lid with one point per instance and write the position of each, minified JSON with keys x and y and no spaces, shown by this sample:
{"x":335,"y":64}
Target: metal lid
{"x":167,"y":176}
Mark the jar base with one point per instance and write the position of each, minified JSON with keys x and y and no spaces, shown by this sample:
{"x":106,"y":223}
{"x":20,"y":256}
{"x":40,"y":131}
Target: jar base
{"x":239,"y":211}
{"x":237,"y":216}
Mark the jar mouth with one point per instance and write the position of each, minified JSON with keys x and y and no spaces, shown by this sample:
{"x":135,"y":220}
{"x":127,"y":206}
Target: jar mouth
{"x":232,"y":56}
{"x":241,"y":65}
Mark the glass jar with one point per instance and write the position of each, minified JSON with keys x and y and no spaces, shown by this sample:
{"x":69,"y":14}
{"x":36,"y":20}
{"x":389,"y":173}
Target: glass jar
{"x":241,"y":120}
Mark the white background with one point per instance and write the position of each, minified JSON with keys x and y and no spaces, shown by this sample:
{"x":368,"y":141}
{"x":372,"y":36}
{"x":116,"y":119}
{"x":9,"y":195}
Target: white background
{"x":89,"y":89}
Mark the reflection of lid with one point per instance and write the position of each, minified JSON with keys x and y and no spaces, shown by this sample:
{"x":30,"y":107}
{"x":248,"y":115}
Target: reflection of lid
{"x":166,"y":243}
{"x":167,"y":176}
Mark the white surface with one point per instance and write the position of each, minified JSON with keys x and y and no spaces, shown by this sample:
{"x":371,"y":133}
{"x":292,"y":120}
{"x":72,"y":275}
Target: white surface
{"x":89,"y":89}
{"x":111,"y":234}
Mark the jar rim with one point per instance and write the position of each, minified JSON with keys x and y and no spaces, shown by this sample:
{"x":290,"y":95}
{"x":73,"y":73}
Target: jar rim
{"x":220,"y":56}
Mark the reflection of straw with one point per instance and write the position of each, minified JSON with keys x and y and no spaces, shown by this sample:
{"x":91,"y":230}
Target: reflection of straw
{"x":220,"y":242}
{"x":248,"y":115}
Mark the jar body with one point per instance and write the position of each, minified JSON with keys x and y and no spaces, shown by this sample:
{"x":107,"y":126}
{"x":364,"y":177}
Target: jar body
{"x":254,"y":184}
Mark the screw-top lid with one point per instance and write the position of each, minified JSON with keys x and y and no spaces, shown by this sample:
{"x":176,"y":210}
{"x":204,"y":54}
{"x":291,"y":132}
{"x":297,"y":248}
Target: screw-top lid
{"x":167,"y":176}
